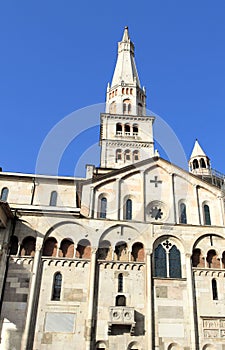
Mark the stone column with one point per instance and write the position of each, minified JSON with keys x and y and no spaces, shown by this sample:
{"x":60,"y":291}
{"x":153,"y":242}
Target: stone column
{"x":222,"y":210}
{"x":191,"y":303}
{"x":90,"y":321}
{"x":149,"y":303}
{"x":118,"y":205}
{"x":174,"y":198}
{"x":28,"y":331}
{"x":91,"y":204}
{"x":198,"y":204}
{"x":143,"y":209}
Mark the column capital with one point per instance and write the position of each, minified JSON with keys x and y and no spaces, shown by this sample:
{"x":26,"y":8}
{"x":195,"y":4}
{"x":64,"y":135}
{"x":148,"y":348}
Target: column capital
{"x":94,"y":250}
{"x":148,"y":251}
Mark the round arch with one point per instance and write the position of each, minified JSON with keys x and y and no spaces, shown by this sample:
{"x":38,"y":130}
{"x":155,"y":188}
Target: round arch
{"x":134,"y":345}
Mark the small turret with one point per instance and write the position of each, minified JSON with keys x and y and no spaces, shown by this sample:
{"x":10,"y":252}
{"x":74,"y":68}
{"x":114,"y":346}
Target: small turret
{"x":199,"y":162}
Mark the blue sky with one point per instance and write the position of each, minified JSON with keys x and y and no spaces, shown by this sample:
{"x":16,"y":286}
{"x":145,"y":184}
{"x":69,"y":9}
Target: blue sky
{"x":57,"y":57}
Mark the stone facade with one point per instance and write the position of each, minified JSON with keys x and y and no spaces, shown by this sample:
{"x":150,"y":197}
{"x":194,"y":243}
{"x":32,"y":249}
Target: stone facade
{"x":130,"y":257}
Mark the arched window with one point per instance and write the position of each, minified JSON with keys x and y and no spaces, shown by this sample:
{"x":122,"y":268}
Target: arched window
{"x":127,"y":129}
{"x":128,"y":210}
{"x":183,"y":213}
{"x":105,"y":250}
{"x":119,"y":129}
{"x":120,"y":300}
{"x":195,"y":164}
{"x":137,"y":253}
{"x":57,"y":285}
{"x":135,"y":156}
{"x":53,"y":198}
{"x":120,"y":283}
{"x":28,"y":246}
{"x":167,"y":260}
{"x":127,"y":155}
{"x":174,"y":263}
{"x":4,"y":194}
{"x":197,"y":258}
{"x":66,"y":248}
{"x":50,"y":247}
{"x":135,"y":129}
{"x":118,"y":155}
{"x":103,"y":208}
{"x":214,"y":289}
{"x":126,"y":106}
{"x":121,"y":251}
{"x":160,"y":262}
{"x":202,"y":163}
{"x":83,"y":250}
{"x":212,"y":259}
{"x":207,"y":218}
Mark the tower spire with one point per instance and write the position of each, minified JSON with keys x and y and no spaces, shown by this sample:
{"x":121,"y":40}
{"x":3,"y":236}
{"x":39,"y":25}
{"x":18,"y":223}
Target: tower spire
{"x":125,"y":70}
{"x":126,"y":34}
{"x":125,"y":95}
{"x":126,"y":131}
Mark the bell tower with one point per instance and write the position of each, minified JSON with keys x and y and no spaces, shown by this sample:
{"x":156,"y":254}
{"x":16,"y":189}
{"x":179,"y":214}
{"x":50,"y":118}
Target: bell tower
{"x":199,"y":162}
{"x":126,"y":132}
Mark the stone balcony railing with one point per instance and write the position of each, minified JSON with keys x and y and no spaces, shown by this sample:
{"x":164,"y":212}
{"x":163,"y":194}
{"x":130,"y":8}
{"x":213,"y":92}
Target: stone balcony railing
{"x":121,"y":315}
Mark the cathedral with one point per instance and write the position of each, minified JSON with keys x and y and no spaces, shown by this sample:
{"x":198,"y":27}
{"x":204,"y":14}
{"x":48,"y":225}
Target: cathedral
{"x":130,"y":257}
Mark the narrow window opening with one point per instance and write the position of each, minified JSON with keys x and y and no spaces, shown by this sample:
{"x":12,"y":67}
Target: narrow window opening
{"x":183,"y":214}
{"x":135,"y":156}
{"x":214,"y":289}
{"x":202,"y":163}
{"x":127,"y":129}
{"x":57,"y":284}
{"x":53,"y":198}
{"x":120,"y":283}
{"x":103,"y":207}
{"x":119,"y":129}
{"x":4,"y":194}
{"x":195,"y":164}
{"x":127,"y":155}
{"x":207,"y":218}
{"x":128,"y":210}
{"x":118,"y":155}
{"x":135,"y":129}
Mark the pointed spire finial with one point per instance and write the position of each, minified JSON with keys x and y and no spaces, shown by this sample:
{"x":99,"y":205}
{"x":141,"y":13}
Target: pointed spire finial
{"x":197,"y":150}
{"x":126,"y":37}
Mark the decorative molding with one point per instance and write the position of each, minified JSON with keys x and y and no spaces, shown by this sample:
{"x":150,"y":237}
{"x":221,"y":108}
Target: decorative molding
{"x":130,"y":144}
{"x":22,"y":260}
{"x":213,"y":327}
{"x":119,"y":265}
{"x":128,"y":117}
{"x":208,"y":272}
{"x":66,"y":262}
